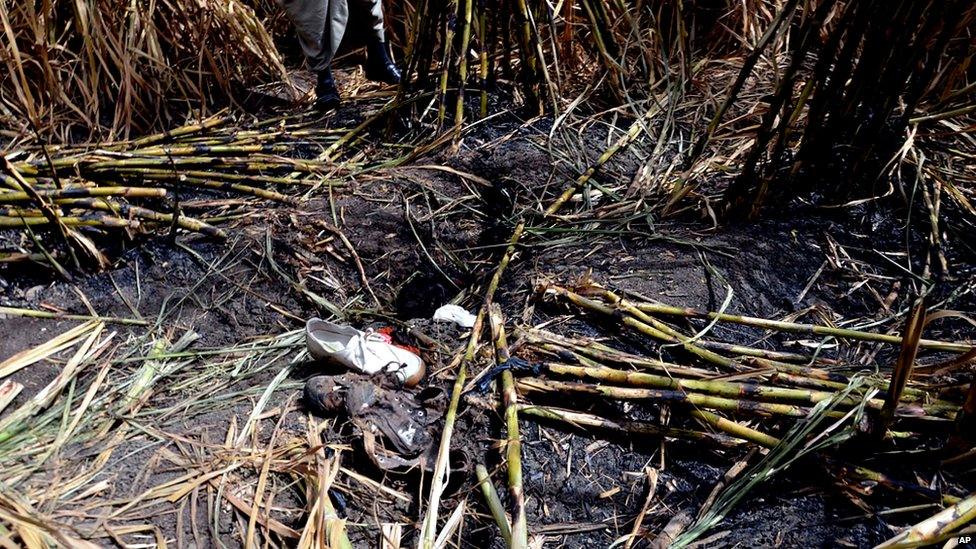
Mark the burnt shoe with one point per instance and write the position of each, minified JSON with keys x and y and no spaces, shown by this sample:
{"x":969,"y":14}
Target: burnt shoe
{"x":323,"y":396}
{"x":326,"y":93}
{"x":379,"y":67}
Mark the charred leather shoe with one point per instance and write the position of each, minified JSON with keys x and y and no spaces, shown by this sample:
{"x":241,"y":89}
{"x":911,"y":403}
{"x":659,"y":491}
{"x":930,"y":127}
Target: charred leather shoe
{"x":326,"y":94}
{"x":379,"y":66}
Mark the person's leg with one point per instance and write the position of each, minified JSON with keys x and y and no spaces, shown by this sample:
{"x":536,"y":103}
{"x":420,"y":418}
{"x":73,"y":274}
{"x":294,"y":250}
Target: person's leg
{"x":379,"y":66}
{"x":314,"y":22}
{"x":310,"y":18}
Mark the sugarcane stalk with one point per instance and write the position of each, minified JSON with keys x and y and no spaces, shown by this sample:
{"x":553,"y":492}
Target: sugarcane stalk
{"x":51,"y":216}
{"x":741,"y":350}
{"x":750,"y":391}
{"x":588,"y":350}
{"x":581,"y":420}
{"x":733,"y":428}
{"x":650,"y":326}
{"x":463,"y":66}
{"x":530,"y":70}
{"x":234,"y":187}
{"x":799,"y":328}
{"x":887,"y":482}
{"x":448,"y":33}
{"x":652,"y":329}
{"x":182,"y":221}
{"x":486,"y":42}
{"x":933,"y":528}
{"x":70,"y":221}
{"x":494,"y":503}
{"x":513,"y":447}
{"x":255,"y":164}
{"x":199,"y":149}
{"x":903,"y":367}
{"x":148,"y":173}
{"x":622,"y":142}
{"x":676,"y":337}
{"x":85,"y":192}
{"x":182,"y":131}
{"x":693,"y":399}
{"x":429,"y":528}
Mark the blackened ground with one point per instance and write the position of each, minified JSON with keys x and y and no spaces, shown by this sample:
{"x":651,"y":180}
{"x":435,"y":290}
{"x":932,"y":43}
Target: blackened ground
{"x":425,"y":236}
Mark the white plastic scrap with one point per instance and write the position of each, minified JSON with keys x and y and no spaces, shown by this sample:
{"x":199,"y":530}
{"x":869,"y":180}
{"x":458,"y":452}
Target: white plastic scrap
{"x":455,"y":314}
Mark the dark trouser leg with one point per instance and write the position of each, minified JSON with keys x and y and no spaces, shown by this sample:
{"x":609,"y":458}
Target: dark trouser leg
{"x":369,"y":17}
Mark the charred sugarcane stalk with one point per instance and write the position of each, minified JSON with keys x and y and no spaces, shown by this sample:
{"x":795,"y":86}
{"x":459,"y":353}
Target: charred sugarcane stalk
{"x":513,"y":447}
{"x":583,"y":420}
{"x":494,"y":503}
{"x":84,"y":192}
{"x":935,"y":528}
{"x":658,"y":330}
{"x":106,"y":221}
{"x":661,"y":395}
{"x":792,"y":327}
{"x":127,"y":210}
{"x":429,"y":528}
{"x":751,"y":391}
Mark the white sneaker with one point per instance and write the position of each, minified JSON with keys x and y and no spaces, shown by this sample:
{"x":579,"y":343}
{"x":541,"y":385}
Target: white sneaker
{"x":364,"y":352}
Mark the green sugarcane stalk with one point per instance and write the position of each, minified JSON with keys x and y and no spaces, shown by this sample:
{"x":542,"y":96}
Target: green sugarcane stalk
{"x":200,"y":149}
{"x":531,"y":72}
{"x":733,"y":428}
{"x":652,"y":329}
{"x":750,"y":391}
{"x":581,"y":420}
{"x":70,"y":221}
{"x":494,"y":503}
{"x":53,"y":217}
{"x":818,"y":378}
{"x":676,"y":337}
{"x":587,"y":349}
{"x":85,"y":192}
{"x":578,"y":358}
{"x":463,"y":68}
{"x":693,"y":399}
{"x":798,"y":328}
{"x":182,"y":131}
{"x":429,"y":528}
{"x":127,"y":210}
{"x":31,"y":313}
{"x":513,"y":447}
{"x":147,"y":173}
{"x":252,"y":165}
{"x":602,"y":359}
{"x":779,"y":356}
{"x":734,"y":390}
{"x":935,"y":527}
{"x":233,"y":187}
{"x":828,"y":379}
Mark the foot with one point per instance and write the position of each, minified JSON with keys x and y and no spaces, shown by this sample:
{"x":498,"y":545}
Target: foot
{"x":379,"y":66}
{"x":326,"y":94}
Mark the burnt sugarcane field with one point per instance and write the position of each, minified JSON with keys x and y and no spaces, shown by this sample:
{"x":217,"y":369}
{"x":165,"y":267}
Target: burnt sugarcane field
{"x":487,"y":273}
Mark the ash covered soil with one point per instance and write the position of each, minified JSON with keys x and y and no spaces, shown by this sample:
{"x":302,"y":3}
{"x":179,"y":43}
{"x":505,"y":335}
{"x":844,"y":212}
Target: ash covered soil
{"x":424,"y":235}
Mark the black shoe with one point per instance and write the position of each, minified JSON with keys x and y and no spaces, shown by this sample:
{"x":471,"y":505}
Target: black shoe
{"x":323,"y":396}
{"x":379,"y":66}
{"x":326,"y":94}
